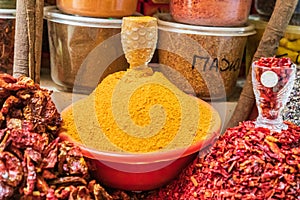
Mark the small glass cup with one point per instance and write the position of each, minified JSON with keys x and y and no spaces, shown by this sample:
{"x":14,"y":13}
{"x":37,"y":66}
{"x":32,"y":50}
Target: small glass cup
{"x":272,"y":87}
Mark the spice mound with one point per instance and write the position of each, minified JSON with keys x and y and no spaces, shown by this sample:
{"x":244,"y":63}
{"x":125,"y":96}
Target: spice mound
{"x":133,"y":112}
{"x":245,"y":163}
{"x":34,"y":163}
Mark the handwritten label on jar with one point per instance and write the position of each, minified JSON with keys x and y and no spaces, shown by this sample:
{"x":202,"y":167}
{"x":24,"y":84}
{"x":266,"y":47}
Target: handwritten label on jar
{"x":207,"y":64}
{"x":269,"y":79}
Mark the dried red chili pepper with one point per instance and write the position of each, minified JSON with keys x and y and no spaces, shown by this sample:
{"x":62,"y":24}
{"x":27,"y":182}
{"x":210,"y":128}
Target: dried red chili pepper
{"x":30,"y":175}
{"x":267,"y":168}
{"x":81,"y":192}
{"x":33,"y":155}
{"x":42,"y":185}
{"x":71,"y":161}
{"x":11,"y":172}
{"x":6,"y":191}
{"x":23,"y":139}
{"x":34,"y":163}
{"x":50,"y":154}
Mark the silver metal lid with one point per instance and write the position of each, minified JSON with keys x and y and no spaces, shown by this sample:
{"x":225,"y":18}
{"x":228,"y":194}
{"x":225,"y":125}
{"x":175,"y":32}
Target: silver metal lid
{"x":7,"y":13}
{"x":166,"y":23}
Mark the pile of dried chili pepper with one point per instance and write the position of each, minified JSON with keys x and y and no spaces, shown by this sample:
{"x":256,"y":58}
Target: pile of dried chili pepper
{"x":245,"y":163}
{"x":34,"y":163}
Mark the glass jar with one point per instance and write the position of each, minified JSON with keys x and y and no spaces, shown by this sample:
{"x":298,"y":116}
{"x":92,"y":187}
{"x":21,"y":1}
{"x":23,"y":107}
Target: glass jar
{"x":273,"y":80}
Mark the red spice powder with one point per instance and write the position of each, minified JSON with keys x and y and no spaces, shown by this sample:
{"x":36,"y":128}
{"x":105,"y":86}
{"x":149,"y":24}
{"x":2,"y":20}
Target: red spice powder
{"x":245,"y":163}
{"x":211,"y":13}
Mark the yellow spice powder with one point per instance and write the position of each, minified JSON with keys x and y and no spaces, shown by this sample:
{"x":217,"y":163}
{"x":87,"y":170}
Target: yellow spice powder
{"x":145,"y":114}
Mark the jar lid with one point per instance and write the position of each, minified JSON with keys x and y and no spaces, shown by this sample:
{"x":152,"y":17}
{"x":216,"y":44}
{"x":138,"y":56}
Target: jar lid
{"x":166,"y":23}
{"x":7,"y":13}
{"x":52,"y":14}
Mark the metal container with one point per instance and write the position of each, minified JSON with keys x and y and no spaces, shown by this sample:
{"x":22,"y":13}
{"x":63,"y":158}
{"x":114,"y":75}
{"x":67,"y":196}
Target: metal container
{"x":83,"y":50}
{"x":211,"y":13}
{"x":208,"y":58}
{"x":98,"y":8}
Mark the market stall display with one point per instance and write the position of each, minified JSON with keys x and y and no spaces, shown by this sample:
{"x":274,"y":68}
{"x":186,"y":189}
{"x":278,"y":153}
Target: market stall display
{"x":144,"y":120}
{"x":35,"y":163}
{"x":254,"y":160}
{"x":245,"y":163}
{"x":141,"y":113}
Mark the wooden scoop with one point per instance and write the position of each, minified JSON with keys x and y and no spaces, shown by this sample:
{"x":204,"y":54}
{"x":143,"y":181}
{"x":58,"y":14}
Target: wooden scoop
{"x":139,"y":39}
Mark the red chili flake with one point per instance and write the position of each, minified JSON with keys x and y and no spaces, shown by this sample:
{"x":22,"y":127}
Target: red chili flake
{"x":268,"y":168}
{"x":194,"y":181}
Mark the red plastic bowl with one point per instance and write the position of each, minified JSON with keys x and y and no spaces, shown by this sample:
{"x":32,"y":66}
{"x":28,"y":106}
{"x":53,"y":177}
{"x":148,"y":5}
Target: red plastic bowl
{"x":140,"y":171}
{"x":143,"y":171}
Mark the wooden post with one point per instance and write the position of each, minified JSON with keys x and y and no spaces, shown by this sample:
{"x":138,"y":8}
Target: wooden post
{"x":28,"y":39}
